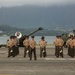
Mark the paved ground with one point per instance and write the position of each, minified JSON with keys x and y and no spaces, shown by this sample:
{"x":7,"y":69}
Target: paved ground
{"x":43,"y":66}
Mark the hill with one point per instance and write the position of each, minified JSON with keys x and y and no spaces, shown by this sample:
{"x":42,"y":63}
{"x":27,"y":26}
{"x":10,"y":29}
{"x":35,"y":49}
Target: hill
{"x":9,"y":30}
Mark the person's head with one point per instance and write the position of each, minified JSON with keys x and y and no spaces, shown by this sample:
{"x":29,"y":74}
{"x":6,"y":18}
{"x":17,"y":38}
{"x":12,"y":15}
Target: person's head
{"x":74,"y":37}
{"x":71,"y":36}
{"x":26,"y":37}
{"x":10,"y":37}
{"x":42,"y":37}
{"x":32,"y":37}
{"x":59,"y":36}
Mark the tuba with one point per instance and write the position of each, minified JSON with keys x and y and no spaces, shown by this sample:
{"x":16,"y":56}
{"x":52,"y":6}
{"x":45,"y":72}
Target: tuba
{"x":18,"y":34}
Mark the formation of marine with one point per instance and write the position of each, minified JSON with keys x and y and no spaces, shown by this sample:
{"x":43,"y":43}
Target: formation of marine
{"x":29,"y":47}
{"x":14,"y":43}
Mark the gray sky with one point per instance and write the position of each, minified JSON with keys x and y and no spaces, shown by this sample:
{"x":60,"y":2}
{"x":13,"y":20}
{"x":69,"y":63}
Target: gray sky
{"x":6,"y":3}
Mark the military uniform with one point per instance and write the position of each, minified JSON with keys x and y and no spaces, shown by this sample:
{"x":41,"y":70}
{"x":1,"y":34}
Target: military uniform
{"x":9,"y":45}
{"x":26,"y":47}
{"x":42,"y":44}
{"x":59,"y":47}
{"x":68,"y":45}
{"x":12,"y":49}
{"x":73,"y":47}
{"x":15,"y":47}
{"x":33,"y":48}
{"x":56,"y":45}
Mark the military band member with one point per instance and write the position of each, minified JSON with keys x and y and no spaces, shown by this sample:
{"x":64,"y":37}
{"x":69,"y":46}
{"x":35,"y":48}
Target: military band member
{"x":33,"y":48}
{"x":42,"y":44}
{"x":26,"y":46}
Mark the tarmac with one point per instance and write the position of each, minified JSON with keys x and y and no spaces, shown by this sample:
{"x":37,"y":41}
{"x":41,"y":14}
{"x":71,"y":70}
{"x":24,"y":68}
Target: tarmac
{"x":42,"y":66}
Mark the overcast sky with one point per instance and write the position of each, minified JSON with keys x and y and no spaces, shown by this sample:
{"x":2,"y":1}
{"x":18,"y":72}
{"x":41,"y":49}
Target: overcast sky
{"x":4,"y":3}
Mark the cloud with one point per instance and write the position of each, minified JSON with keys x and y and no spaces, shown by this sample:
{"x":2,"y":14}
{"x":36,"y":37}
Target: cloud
{"x":35,"y":2}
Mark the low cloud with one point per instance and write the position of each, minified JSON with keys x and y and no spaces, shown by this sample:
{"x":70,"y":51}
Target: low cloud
{"x":4,"y":3}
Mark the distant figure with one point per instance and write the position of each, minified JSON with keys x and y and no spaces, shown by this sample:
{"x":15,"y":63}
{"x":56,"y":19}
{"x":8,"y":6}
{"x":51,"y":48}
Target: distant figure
{"x":42,"y":44}
{"x":26,"y":46}
{"x":33,"y":48}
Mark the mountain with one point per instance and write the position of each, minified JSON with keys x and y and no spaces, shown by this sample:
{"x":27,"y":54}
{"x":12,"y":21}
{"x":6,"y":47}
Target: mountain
{"x":9,"y":30}
{"x":50,"y":17}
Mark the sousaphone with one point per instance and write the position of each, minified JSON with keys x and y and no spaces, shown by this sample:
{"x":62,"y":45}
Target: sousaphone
{"x":18,"y":34}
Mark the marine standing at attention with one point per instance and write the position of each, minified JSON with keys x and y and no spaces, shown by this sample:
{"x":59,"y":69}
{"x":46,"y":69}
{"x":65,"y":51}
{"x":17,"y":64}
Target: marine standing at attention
{"x":12,"y":49}
{"x":72,"y":49}
{"x":59,"y":43}
{"x":9,"y":45}
{"x":56,"y":45}
{"x":26,"y":46}
{"x":42,"y":44}
{"x":33,"y":48}
{"x":60,"y":46}
{"x":68,"y":45}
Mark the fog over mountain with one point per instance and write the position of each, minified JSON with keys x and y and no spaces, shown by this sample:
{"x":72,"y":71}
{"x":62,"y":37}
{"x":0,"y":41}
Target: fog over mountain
{"x":31,"y":16}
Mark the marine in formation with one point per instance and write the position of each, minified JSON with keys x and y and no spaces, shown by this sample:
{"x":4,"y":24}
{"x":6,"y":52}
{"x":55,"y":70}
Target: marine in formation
{"x":30,"y":47}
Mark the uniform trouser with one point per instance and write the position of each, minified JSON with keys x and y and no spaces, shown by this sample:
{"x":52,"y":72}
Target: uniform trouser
{"x":25,"y":50}
{"x":69,"y":51}
{"x":64,"y":44}
{"x":55,"y":50}
{"x":15,"y":51}
{"x":43,"y":53}
{"x":59,"y":51}
{"x":33,"y":51}
{"x":9,"y":49}
{"x":73,"y":51}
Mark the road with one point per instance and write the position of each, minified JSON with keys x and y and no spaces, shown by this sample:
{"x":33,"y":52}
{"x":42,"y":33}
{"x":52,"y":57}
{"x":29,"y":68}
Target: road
{"x":43,"y":66}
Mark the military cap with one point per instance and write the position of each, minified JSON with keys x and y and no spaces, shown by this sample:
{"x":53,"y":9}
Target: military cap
{"x":59,"y":36}
{"x":42,"y":37}
{"x":32,"y":36}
